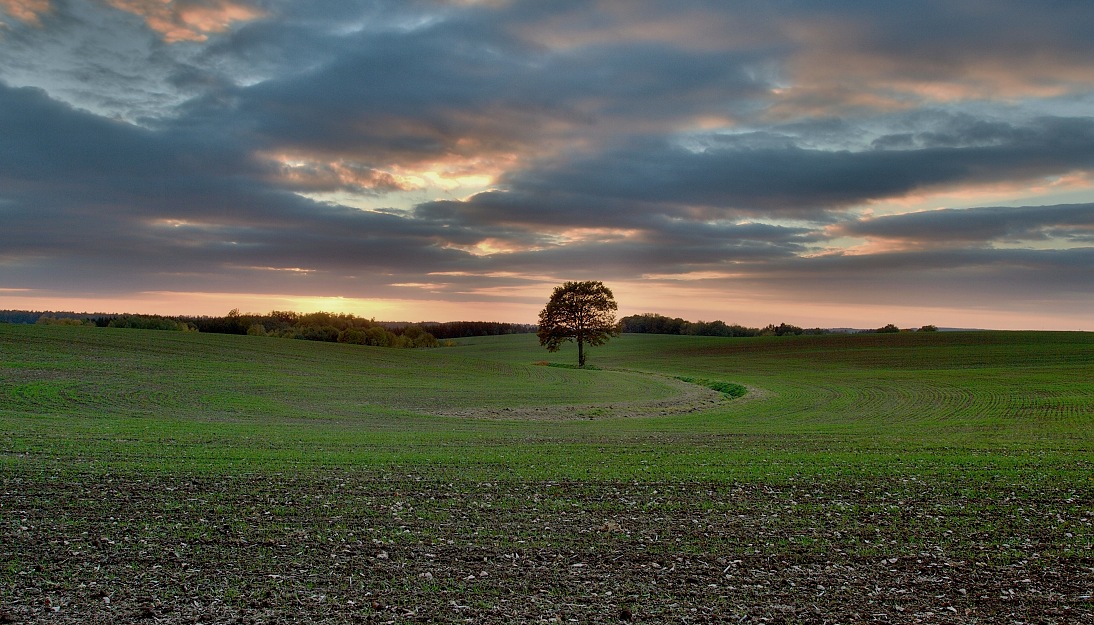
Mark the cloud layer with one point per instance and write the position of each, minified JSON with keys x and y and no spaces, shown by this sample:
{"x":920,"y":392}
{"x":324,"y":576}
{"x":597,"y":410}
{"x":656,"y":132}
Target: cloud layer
{"x":723,"y":160}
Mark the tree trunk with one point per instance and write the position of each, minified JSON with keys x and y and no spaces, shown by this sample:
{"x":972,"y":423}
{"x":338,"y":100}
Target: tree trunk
{"x":580,"y":352}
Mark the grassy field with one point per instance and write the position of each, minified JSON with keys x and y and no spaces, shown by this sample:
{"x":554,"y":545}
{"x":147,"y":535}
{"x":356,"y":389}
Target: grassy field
{"x":173,"y":477}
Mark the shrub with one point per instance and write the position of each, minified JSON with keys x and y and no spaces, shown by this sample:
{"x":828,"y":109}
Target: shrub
{"x":729,"y":389}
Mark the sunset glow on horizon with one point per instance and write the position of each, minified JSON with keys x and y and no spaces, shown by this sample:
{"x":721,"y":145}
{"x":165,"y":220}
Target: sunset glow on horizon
{"x":836,"y":165}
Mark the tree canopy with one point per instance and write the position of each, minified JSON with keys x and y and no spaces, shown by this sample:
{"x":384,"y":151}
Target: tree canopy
{"x":583,"y":312}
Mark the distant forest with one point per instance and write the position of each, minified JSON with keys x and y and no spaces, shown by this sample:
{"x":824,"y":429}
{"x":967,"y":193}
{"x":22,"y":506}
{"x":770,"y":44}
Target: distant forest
{"x":318,"y":326}
{"x":348,"y":328}
{"x":651,"y":323}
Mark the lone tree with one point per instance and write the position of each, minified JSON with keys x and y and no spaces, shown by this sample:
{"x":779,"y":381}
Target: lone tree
{"x":578,"y":311}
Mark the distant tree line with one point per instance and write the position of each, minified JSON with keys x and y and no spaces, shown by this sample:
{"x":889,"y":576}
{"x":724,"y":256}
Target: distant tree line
{"x":349,"y":328}
{"x":49,"y":320}
{"x":31,"y":316}
{"x":101,"y":320}
{"x":145,"y":322}
{"x":458,"y":329}
{"x":892,"y":329}
{"x":316,"y":326}
{"x":319,"y":326}
{"x":140,"y":322}
{"x":652,"y":323}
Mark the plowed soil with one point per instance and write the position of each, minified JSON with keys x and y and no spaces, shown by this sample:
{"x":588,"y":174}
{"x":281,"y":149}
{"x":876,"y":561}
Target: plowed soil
{"x":353,"y":547}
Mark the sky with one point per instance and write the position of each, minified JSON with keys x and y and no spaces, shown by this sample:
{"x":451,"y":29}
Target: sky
{"x":824,"y":164}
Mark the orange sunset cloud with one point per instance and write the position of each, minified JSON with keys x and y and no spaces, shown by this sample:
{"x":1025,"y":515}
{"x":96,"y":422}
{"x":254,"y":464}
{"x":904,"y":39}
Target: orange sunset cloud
{"x":179,"y":20}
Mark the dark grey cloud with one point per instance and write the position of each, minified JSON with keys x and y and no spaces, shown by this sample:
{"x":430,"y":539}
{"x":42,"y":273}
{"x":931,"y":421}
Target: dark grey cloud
{"x":44,"y":139}
{"x":99,"y":59}
{"x":940,"y":37}
{"x":466,"y":87}
{"x":769,"y":174}
{"x":984,"y":225}
{"x":91,"y":200}
{"x":629,"y":139}
{"x":975,"y":279}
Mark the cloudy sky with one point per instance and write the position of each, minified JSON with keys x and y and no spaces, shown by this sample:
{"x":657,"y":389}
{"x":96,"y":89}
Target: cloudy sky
{"x":841,"y":163}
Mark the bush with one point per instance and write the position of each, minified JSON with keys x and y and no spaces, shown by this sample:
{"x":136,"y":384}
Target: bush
{"x":729,"y":389}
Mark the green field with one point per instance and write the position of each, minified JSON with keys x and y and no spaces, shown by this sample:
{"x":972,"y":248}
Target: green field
{"x":938,"y":477}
